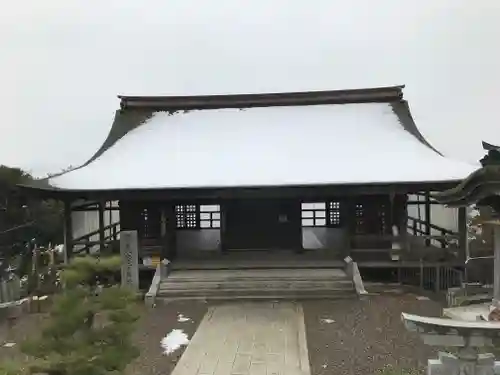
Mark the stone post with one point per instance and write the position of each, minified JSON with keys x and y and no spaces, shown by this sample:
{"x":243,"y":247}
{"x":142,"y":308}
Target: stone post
{"x":129,"y":250}
{"x":496,"y":265}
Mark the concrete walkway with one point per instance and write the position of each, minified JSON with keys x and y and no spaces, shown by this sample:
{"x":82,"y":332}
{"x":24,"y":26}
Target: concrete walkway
{"x":253,"y":338}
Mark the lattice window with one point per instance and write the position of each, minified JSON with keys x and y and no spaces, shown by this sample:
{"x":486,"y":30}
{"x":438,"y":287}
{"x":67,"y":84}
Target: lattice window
{"x":360,"y":218}
{"x":210,"y":216}
{"x":334,"y":214}
{"x":314,"y":214}
{"x":186,"y":216}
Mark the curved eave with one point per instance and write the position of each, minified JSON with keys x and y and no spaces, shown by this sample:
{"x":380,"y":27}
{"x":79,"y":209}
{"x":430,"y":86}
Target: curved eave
{"x":210,"y":193}
{"x":489,"y":147}
{"x":481,"y":184}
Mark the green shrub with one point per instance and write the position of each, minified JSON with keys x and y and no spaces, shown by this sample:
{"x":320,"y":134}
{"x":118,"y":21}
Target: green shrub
{"x":92,"y":271}
{"x":89,"y":329}
{"x":8,"y":367}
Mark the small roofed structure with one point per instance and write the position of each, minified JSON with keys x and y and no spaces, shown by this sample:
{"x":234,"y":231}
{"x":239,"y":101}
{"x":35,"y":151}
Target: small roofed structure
{"x":482,"y":188}
{"x":325,"y":172}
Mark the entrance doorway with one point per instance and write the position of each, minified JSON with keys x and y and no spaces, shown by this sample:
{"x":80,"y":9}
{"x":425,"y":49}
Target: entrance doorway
{"x":262,"y":224}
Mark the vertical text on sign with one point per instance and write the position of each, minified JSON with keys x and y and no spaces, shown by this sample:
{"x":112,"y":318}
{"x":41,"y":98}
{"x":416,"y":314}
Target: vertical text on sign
{"x":130,"y":259}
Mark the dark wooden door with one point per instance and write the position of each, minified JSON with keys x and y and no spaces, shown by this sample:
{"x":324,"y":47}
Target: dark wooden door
{"x":262,"y":224}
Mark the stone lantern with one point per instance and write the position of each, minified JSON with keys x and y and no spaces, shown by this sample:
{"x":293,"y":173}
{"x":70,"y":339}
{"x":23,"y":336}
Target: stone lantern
{"x":467,"y":340}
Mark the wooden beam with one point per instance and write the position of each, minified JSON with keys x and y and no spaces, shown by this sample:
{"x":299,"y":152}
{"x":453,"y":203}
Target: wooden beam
{"x":89,"y":205}
{"x":432,"y":202}
{"x":215,"y":194}
{"x":93,"y":209}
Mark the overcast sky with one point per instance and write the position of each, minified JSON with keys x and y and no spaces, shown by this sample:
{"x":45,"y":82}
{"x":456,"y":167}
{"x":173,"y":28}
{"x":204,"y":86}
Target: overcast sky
{"x":62,"y":63}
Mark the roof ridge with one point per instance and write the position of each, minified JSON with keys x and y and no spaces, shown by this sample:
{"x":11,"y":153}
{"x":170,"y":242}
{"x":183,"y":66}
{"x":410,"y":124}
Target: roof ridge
{"x":174,"y":103}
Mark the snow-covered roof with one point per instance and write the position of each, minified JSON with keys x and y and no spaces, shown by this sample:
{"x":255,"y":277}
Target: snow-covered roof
{"x":296,"y":139}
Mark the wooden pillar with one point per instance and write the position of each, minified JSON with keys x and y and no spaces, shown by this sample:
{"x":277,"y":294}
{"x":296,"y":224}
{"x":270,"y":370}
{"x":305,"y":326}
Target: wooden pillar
{"x":400,"y":215}
{"x":170,"y":232}
{"x":68,"y":232}
{"x":100,"y":207}
{"x":297,"y":219}
{"x":223,"y":244}
{"x":163,"y":233}
{"x":349,"y":212}
{"x":463,"y":243}
{"x":427,"y":217}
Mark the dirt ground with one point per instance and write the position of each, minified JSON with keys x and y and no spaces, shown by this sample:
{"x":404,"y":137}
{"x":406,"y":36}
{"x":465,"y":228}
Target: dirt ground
{"x":153,"y":326}
{"x":362,"y":336}
{"x":344,"y":337}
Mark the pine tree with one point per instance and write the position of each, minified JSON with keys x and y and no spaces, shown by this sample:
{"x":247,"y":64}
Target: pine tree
{"x":90,"y":325}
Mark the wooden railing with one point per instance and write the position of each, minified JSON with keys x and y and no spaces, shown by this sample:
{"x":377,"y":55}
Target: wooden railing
{"x":435,"y":278}
{"x":444,"y":238}
{"x":111,"y":232}
{"x":404,"y":238}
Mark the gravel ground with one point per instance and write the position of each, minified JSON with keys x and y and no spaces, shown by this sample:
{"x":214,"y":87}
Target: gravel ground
{"x":362,"y":337}
{"x":153,"y":326}
{"x":365,"y":335}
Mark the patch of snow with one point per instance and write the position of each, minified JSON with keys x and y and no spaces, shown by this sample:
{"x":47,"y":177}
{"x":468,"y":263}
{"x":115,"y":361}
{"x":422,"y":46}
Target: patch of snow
{"x":423,"y":298}
{"x":39,"y":298}
{"x":385,"y":151}
{"x":181,"y":318}
{"x":173,"y":341}
{"x":327,"y":321}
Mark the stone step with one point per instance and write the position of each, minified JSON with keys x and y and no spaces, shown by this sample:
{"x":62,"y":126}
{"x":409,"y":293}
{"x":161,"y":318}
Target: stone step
{"x":299,"y":274}
{"x":251,"y":297}
{"x":256,"y":284}
{"x":344,"y":284}
{"x":267,"y":293}
{"x":178,"y":276}
{"x":256,"y":279}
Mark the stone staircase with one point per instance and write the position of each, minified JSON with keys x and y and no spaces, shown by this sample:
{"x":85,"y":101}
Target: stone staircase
{"x":256,"y":284}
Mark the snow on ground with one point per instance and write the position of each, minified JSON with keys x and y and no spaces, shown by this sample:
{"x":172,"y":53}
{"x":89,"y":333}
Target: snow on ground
{"x":181,"y":318}
{"x":327,"y":321}
{"x":174,"y":340}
